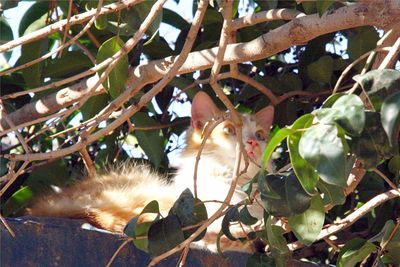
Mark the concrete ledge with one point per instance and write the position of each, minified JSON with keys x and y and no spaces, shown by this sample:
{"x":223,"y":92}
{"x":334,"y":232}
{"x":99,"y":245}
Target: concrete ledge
{"x":63,"y":242}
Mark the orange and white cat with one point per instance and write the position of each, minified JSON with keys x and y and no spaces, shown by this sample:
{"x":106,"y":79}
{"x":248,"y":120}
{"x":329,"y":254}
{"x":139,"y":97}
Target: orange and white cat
{"x":110,"y":200}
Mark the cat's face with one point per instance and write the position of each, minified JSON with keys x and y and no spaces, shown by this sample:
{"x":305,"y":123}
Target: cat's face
{"x":222,"y":141}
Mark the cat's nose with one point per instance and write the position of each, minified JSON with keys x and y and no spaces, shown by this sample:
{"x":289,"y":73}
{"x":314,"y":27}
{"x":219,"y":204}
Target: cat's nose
{"x":253,"y":143}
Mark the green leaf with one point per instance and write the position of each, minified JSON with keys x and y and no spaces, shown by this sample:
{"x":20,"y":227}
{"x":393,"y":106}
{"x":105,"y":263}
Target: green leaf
{"x":245,"y":216}
{"x":321,"y":70}
{"x":306,"y":174}
{"x":379,"y":84}
{"x":72,"y":62}
{"x":394,"y":166}
{"x":158,"y":49}
{"x":373,"y":145}
{"x":174,"y":19}
{"x":17,"y":201}
{"x":6,"y":34}
{"x":115,"y":82}
{"x":164,"y":235}
{"x":232,"y":215}
{"x":143,"y":9}
{"x":34,"y":19}
{"x":37,"y":12}
{"x":93,"y":106}
{"x":308,"y":225}
{"x":323,"y":5}
{"x":260,"y":260}
{"x":140,"y":231}
{"x":152,"y":141}
{"x":390,"y":117}
{"x":392,"y":248}
{"x":360,"y":41}
{"x":151,"y":207}
{"x":277,"y":242}
{"x":190,"y":211}
{"x":355,"y":250}
{"x":347,"y":111}
{"x":333,"y":194}
{"x":273,"y":143}
{"x":101,"y":22}
{"x":323,"y":149}
{"x":328,"y":103}
{"x":283,"y":195}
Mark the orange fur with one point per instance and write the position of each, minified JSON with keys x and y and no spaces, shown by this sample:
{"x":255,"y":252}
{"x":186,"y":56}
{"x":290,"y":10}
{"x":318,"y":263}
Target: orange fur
{"x":110,"y":200}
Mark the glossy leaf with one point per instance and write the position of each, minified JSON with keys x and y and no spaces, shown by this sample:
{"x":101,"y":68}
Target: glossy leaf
{"x":277,"y":242}
{"x":379,"y":84}
{"x":333,"y":194}
{"x":101,"y":22}
{"x":308,"y":225}
{"x":304,"y":171}
{"x":174,"y":19}
{"x":6,"y":34}
{"x":37,"y":12}
{"x":115,"y":82}
{"x":373,"y":145}
{"x":283,"y":195}
{"x":231,"y":216}
{"x":321,"y":70}
{"x":93,"y":106}
{"x":140,"y":231}
{"x":390,"y":117}
{"x":323,"y":149}
{"x":164,"y":235}
{"x":34,"y":19}
{"x":151,"y":207}
{"x":72,"y":62}
{"x":273,"y":143}
{"x":392,"y":247}
{"x":17,"y":201}
{"x":245,"y":216}
{"x":152,"y":141}
{"x":190,"y":211}
{"x":347,"y":111}
{"x":355,"y":250}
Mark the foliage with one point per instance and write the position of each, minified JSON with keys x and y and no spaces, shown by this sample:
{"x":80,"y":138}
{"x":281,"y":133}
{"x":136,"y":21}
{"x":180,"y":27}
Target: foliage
{"x":321,"y":133}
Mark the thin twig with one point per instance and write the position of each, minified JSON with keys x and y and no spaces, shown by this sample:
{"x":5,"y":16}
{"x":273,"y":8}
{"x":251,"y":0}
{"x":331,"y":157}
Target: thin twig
{"x":9,"y":229}
{"x":353,"y":217}
{"x":81,"y":18}
{"x":355,"y":62}
{"x":208,"y":129}
{"x":387,"y":180}
{"x":67,"y":26}
{"x":114,"y":256}
{"x":88,"y":162}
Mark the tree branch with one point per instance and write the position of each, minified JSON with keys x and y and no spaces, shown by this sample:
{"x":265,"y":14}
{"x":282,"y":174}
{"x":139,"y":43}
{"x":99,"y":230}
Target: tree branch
{"x":298,"y":31}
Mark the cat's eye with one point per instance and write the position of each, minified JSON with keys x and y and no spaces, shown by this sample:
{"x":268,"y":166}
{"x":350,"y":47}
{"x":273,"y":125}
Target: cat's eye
{"x":261,"y":136}
{"x":229,"y":130}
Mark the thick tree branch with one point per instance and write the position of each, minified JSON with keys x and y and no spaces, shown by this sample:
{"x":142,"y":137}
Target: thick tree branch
{"x":298,"y":31}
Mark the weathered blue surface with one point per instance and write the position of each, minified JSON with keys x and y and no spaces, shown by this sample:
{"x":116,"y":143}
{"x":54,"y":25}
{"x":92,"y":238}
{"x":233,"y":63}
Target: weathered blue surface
{"x":62,"y":242}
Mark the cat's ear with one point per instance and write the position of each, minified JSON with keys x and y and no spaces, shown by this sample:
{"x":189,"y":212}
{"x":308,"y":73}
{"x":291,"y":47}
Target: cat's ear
{"x":203,"y":110}
{"x":265,"y":117}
